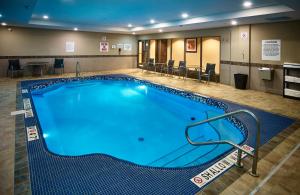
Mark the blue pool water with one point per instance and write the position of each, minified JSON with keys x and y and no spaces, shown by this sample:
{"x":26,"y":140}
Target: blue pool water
{"x":130,"y":121}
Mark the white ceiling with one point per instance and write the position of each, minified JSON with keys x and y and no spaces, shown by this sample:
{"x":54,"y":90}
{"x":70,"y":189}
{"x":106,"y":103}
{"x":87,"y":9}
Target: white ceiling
{"x":115,"y":15}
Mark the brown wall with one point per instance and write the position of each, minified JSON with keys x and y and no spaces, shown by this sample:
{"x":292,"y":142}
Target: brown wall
{"x":177,"y":51}
{"x":211,"y":52}
{"x":237,"y":52}
{"x":42,"y":42}
{"x":289,"y":34}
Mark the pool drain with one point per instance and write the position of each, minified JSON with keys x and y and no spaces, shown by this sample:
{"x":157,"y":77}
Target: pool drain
{"x":141,"y":139}
{"x":193,"y":118}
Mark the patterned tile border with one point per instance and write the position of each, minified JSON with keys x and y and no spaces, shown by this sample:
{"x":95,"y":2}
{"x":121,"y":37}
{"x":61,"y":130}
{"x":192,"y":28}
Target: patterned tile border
{"x":274,"y":66}
{"x":64,"y":56}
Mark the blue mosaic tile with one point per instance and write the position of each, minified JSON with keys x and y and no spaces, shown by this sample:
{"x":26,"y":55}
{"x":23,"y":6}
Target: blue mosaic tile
{"x":104,"y":174}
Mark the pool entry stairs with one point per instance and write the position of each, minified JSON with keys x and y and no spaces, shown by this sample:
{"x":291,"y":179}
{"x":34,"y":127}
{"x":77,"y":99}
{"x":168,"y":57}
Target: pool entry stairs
{"x":187,"y":154}
{"x":240,"y":150}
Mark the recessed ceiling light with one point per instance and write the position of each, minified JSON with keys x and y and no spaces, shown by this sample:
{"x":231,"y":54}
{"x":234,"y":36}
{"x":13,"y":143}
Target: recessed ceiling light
{"x":3,"y":24}
{"x":129,"y":25}
{"x":45,"y":17}
{"x":234,"y":22}
{"x":76,"y":29}
{"x":184,"y":15}
{"x":152,"y":21}
{"x":133,"y":33}
{"x":160,"y":30}
{"x":247,"y":4}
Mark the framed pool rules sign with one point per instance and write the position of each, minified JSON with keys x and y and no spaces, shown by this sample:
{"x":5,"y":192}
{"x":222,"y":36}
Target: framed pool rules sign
{"x":271,"y":50}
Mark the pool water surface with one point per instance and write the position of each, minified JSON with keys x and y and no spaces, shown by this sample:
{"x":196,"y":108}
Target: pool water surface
{"x":131,"y":121}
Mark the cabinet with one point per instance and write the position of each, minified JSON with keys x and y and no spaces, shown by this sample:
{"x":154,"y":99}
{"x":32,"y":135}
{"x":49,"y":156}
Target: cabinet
{"x":291,"y":80}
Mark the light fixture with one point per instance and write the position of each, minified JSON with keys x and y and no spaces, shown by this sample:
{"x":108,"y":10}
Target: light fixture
{"x":75,"y":29}
{"x":133,"y":33}
{"x":45,"y":17}
{"x":129,"y":25}
{"x":247,"y":4}
{"x":0,"y":15}
{"x":160,"y":30}
{"x":233,"y":22}
{"x":3,"y":24}
{"x":152,"y":21}
{"x":184,"y":15}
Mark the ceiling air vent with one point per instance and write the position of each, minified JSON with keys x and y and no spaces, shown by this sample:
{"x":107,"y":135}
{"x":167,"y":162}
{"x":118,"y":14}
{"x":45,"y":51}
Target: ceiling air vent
{"x":280,"y":18}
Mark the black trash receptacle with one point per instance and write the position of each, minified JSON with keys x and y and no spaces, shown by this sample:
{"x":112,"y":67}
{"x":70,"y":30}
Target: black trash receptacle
{"x":240,"y":81}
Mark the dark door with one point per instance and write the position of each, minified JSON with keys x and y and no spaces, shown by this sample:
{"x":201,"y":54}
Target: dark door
{"x":161,"y":51}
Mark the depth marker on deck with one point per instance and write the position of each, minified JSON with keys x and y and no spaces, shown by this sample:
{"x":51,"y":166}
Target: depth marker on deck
{"x":24,"y":91}
{"x":27,"y":104}
{"x":17,"y":112}
{"x":32,"y":133}
{"x":215,"y":170}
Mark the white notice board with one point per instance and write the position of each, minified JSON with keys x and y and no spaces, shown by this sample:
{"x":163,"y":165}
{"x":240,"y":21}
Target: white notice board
{"x":70,"y":46}
{"x":127,"y":47}
{"x":271,"y":50}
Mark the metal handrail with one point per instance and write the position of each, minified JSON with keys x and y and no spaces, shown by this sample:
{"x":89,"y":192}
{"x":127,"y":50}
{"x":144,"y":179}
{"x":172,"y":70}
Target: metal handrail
{"x":253,"y":154}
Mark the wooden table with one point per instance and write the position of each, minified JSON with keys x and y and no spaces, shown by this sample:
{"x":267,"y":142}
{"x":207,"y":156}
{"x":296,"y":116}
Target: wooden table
{"x":38,"y":65}
{"x":197,"y":69}
{"x":160,"y":66}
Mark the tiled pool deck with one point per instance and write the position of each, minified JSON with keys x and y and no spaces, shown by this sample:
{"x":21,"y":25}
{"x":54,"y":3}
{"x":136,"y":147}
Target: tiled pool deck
{"x":284,"y":142}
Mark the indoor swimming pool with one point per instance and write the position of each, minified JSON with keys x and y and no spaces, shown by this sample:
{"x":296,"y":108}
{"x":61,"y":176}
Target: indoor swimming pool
{"x":132,"y":121}
{"x":106,"y":133}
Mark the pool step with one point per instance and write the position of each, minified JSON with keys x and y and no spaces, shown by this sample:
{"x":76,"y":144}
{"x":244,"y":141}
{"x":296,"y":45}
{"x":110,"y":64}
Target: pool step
{"x":188,"y":155}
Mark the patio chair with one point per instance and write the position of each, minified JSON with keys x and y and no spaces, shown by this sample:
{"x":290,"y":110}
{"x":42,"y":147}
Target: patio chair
{"x":59,"y":64}
{"x":149,"y":65}
{"x":168,"y":68}
{"x":209,"y":72}
{"x":181,"y":70}
{"x":14,"y":67}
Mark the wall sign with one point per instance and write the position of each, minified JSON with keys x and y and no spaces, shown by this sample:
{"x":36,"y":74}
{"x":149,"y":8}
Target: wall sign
{"x":244,"y":35}
{"x":271,"y":50}
{"x":127,"y":47}
{"x":104,"y":46}
{"x":120,"y":46}
{"x":70,"y":46}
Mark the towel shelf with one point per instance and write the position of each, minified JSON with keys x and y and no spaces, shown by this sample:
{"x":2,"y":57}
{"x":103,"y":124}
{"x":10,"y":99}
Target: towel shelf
{"x":291,"y":80}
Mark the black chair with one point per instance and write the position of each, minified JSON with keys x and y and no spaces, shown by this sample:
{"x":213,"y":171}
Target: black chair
{"x":59,"y":64}
{"x":181,"y":70}
{"x":168,"y":68}
{"x":14,"y":67}
{"x":209,"y":72}
{"x":149,"y":65}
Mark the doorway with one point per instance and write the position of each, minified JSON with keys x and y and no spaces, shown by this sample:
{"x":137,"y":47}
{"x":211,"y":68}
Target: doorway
{"x":143,"y":53}
{"x":161,"y":51}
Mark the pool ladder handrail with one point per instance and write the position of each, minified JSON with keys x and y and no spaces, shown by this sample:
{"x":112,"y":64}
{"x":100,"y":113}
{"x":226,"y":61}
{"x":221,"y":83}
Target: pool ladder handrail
{"x":253,"y":154}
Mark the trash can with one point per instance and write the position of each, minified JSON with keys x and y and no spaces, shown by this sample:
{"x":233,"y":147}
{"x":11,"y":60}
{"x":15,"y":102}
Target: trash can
{"x":240,"y":81}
